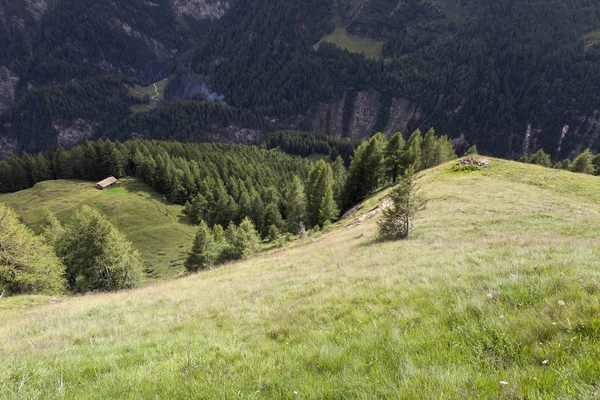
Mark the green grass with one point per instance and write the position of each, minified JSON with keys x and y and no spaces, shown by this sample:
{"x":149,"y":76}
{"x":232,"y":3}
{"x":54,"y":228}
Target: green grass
{"x":139,"y":92}
{"x":340,"y":37}
{"x":502,"y":274}
{"x":131,"y":206}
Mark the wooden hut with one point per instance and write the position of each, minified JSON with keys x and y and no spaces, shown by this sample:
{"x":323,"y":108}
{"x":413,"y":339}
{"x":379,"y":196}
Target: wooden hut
{"x":106,"y":183}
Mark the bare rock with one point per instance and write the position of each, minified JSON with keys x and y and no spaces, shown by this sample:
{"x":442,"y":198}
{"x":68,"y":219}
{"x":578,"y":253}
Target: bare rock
{"x":402,"y":112}
{"x":7,"y":147}
{"x":8,"y":85}
{"x":200,"y":9}
{"x":475,"y":162}
{"x":71,"y":133}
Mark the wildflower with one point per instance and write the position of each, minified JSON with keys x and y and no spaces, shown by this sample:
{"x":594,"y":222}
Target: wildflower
{"x":503,"y":383}
{"x":554,"y":323}
{"x":561,"y":303}
{"x":502,"y":317}
{"x":489,"y":295}
{"x":295,"y":392}
{"x":545,"y":362}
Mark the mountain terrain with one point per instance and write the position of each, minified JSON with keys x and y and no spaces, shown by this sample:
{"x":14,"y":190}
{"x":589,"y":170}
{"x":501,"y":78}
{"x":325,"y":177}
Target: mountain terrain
{"x":495,"y":295}
{"x":511,"y":76}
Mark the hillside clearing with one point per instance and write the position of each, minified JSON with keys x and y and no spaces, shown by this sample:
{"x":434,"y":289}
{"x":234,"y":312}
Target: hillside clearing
{"x":131,"y":206}
{"x":155,"y":92}
{"x":495,"y":296}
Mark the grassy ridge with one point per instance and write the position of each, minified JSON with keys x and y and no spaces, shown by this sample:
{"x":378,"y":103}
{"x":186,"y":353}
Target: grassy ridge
{"x":496,"y":296}
{"x":131,"y":206}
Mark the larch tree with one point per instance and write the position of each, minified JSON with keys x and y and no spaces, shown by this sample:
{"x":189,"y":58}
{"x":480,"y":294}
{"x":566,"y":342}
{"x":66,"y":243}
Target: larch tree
{"x":27,"y":264}
{"x":96,"y":255}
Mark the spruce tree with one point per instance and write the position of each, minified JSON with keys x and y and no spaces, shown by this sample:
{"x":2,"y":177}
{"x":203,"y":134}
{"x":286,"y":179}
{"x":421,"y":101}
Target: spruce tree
{"x":318,"y":185}
{"x":396,"y":221}
{"x":271,"y":217}
{"x":411,"y":157}
{"x":328,"y":209}
{"x":364,"y":172}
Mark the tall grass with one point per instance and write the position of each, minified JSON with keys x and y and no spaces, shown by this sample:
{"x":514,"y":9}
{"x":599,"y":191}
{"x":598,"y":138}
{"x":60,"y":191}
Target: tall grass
{"x":495,"y":296}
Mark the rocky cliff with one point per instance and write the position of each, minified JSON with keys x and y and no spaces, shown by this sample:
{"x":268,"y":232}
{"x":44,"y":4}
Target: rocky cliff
{"x":357,"y":115}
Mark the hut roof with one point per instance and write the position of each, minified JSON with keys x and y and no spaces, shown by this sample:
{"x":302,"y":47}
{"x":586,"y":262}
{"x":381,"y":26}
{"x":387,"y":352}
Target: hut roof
{"x":111,"y":180}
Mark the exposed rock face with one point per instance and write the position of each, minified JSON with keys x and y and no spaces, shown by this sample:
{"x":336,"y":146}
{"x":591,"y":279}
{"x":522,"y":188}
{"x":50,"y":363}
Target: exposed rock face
{"x":8,"y":84}
{"x":328,"y":118}
{"x":402,"y":113}
{"x":71,"y":133}
{"x":7,"y":147}
{"x":530,"y":140}
{"x":200,"y":9}
{"x":364,"y":116}
{"x":356,"y":116}
{"x":37,"y":8}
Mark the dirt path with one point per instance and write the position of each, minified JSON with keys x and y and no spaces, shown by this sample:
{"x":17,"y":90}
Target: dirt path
{"x":155,"y":97}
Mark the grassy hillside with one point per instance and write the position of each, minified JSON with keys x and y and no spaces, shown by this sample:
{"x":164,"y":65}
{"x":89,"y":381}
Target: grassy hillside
{"x":495,"y":296}
{"x":131,"y":206}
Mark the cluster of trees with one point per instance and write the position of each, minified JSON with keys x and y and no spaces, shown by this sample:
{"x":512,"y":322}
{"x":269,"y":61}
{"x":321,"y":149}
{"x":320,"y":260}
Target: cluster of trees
{"x":87,"y":254}
{"x":216,"y":245}
{"x":586,"y":162}
{"x":308,"y":143}
{"x":34,"y":122}
{"x":378,"y":161}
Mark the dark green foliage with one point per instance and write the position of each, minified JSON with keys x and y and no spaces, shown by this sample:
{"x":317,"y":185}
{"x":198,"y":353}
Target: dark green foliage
{"x":271,"y":219}
{"x":188,"y":121}
{"x":412,"y":155}
{"x":321,"y":205}
{"x":406,"y":201}
{"x":364,"y":172}
{"x":540,"y":158}
{"x":296,"y":206}
{"x":583,"y":163}
{"x":217,"y":183}
{"x":393,"y":157}
{"x":97,"y":104}
{"x":307,"y":143}
{"x":27,"y":264}
{"x":204,"y":249}
{"x":96,"y":255}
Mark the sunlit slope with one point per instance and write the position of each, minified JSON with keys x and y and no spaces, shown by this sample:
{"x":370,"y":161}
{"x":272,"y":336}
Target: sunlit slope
{"x":131,"y":206}
{"x":495,"y":296}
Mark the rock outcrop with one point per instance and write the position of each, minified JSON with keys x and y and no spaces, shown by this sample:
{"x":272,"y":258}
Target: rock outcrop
{"x":357,"y":115}
{"x":71,"y":133}
{"x":8,"y":84}
{"x":200,"y":9}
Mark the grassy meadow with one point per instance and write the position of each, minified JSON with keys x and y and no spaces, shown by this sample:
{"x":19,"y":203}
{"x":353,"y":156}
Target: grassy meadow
{"x":496,"y":295}
{"x":131,"y":206}
{"x":140,"y":91}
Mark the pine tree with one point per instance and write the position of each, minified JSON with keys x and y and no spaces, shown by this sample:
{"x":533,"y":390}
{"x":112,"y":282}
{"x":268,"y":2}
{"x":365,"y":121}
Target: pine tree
{"x":393,"y":156}
{"x":27,"y":264}
{"x":472,"y":151}
{"x":396,"y":221}
{"x":295,"y":206}
{"x":203,"y":252}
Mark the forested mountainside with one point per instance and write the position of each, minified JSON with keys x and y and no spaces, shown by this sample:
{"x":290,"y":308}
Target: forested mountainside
{"x":511,"y":76}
